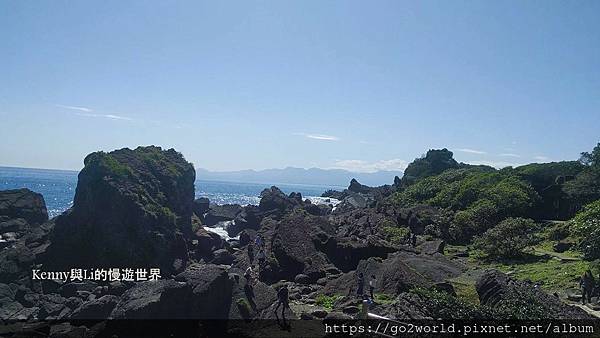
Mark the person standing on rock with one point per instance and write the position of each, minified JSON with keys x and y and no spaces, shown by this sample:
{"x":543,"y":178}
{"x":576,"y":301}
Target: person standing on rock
{"x":360,"y":285}
{"x":258,"y":241}
{"x":587,"y":284}
{"x":372,"y":283}
{"x":251,"y":252}
{"x":261,"y":257}
{"x":413,"y":240}
{"x":248,"y":276}
{"x":282,"y":299}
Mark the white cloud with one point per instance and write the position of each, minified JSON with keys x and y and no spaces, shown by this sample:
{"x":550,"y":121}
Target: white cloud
{"x":471,"y":151}
{"x":106,"y":116}
{"x":84,"y":109}
{"x":370,"y":167}
{"x":509,"y":155}
{"x":541,"y":158}
{"x":319,"y":137}
{"x":88,"y":112}
{"x":495,"y":164}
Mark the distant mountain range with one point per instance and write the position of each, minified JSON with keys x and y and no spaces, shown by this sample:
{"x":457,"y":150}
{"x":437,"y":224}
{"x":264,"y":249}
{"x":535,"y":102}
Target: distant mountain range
{"x":312,"y":176}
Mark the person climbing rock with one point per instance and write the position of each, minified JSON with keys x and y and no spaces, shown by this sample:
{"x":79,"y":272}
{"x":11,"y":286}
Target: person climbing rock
{"x":360,"y":285}
{"x":258,"y":241}
{"x":251,"y":252}
{"x":282,"y":299}
{"x":248,"y":276}
{"x":261,"y":257}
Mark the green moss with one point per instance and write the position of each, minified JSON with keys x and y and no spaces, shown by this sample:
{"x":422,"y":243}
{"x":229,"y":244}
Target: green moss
{"x":383,"y":298}
{"x":552,"y":274}
{"x":395,"y":234}
{"x":244,"y":307}
{"x":466,"y":292}
{"x":327,"y":301}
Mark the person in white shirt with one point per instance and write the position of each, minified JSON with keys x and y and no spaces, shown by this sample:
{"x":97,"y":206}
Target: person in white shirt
{"x":372,"y":283}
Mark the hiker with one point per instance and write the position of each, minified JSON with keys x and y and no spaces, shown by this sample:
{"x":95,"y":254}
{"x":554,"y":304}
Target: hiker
{"x":360,"y":285}
{"x":261,"y":257}
{"x":413,"y":240}
{"x":282,"y":299}
{"x":248,"y":276}
{"x":587,"y":286}
{"x":372,"y":283}
{"x":251,"y":252}
{"x":258,"y":241}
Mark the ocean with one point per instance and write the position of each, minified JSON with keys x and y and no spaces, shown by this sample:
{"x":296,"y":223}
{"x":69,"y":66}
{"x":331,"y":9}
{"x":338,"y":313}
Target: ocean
{"x":58,"y":188}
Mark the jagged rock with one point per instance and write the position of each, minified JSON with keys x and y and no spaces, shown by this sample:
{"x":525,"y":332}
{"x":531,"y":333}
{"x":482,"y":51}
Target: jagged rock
{"x":132,"y":206}
{"x":201,"y":206}
{"x":161,"y":299}
{"x":207,"y":241}
{"x":66,"y":330}
{"x":210,"y":291}
{"x":273,"y":200}
{"x":347,"y":252}
{"x":522,"y":300}
{"x":302,"y":279}
{"x":249,"y":302}
{"x":319,"y":313}
{"x":222,"y":256}
{"x":432,"y":247}
{"x":244,"y":238}
{"x":52,"y":306}
{"x":291,"y":241}
{"x":249,"y":218}
{"x":221,"y":213}
{"x":99,"y":308}
{"x":562,"y":246}
{"x":418,"y":217}
{"x":25,"y":204}
{"x":434,"y":162}
{"x":393,"y":276}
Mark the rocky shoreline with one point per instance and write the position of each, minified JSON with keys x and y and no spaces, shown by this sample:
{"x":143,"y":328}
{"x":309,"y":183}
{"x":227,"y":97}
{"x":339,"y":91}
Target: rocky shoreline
{"x":136,"y":209}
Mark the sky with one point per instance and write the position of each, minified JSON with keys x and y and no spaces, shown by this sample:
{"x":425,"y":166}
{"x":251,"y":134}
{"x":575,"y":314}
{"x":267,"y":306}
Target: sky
{"x":358,"y":85}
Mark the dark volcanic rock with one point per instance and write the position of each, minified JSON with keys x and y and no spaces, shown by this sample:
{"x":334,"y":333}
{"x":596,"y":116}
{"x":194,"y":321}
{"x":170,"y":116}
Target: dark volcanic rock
{"x":210,"y":291}
{"x":273,"y":200}
{"x":393,"y":276}
{"x":292,"y":242}
{"x":522,"y":300}
{"x":221,"y":213}
{"x":201,"y":206}
{"x":131,"y":207}
{"x":23,"y":203}
{"x":161,"y":299}
{"x":99,"y":308}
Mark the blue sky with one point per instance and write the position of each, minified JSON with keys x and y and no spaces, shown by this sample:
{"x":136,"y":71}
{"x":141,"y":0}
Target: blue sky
{"x":361,"y":85}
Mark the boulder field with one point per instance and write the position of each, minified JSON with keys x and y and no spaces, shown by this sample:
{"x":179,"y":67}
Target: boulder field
{"x":136,"y":209}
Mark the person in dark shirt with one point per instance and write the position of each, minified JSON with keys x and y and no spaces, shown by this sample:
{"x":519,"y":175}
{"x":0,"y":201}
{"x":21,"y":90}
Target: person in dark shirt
{"x":360,"y":285}
{"x":282,"y":299}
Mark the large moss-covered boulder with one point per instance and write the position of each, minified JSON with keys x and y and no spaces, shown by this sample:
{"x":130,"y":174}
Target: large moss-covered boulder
{"x":131,"y":208}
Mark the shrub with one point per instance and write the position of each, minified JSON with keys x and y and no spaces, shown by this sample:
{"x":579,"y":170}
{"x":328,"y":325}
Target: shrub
{"x":395,"y":234}
{"x":327,"y":301}
{"x":508,"y":239}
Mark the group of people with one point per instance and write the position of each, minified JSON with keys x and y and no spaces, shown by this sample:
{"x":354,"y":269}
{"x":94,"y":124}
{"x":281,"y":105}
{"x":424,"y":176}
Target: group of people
{"x":360,"y":287}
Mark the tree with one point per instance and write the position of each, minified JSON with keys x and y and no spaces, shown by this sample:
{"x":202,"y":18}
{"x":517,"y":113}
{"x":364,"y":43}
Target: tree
{"x":591,"y":159}
{"x":508,"y":239}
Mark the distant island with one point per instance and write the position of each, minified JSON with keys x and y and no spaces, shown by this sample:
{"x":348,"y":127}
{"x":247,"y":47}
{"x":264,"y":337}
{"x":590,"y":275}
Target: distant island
{"x":290,"y":175}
